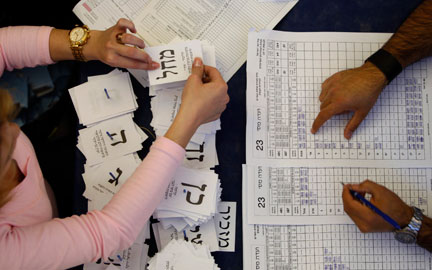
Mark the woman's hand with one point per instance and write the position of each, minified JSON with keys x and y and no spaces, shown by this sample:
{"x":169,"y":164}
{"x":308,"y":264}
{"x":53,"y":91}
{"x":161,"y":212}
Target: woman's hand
{"x":204,"y":99}
{"x":117,"y":48}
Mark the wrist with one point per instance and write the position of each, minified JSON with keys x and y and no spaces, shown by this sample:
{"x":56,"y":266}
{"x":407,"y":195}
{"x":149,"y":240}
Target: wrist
{"x":406,"y":216}
{"x":90,"y":51}
{"x":182,"y":129}
{"x":386,"y":63}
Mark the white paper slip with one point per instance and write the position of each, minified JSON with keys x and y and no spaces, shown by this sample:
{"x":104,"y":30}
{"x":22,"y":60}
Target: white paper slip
{"x":103,"y":181}
{"x":225,"y":222}
{"x":110,"y":139}
{"x":310,"y":195}
{"x":182,"y":255}
{"x":101,"y":99}
{"x":285,"y":71}
{"x":176,"y":63}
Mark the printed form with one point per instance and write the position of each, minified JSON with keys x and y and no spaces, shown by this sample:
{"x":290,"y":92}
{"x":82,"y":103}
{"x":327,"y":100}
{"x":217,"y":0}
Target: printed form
{"x":285,"y":72}
{"x":324,"y":246}
{"x":224,"y":23}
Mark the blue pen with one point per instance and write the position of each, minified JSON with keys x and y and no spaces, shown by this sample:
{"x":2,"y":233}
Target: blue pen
{"x":106,"y":92}
{"x":112,"y":175}
{"x":359,"y":197}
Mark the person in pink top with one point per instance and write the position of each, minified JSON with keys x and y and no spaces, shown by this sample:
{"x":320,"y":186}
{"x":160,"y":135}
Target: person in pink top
{"x":30,"y":238}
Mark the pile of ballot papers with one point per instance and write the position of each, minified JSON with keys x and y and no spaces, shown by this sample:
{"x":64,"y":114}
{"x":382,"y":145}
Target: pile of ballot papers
{"x":193,"y":195}
{"x":110,"y":140}
{"x":166,"y":87}
{"x":182,"y":255}
{"x":191,"y":198}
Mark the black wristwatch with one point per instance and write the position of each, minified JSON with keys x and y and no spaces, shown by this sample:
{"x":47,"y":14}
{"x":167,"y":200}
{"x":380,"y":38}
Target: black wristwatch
{"x":387,"y":63}
{"x":408,"y":235}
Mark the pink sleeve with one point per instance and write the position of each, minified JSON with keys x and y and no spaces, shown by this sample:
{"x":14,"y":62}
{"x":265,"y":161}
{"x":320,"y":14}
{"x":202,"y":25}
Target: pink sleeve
{"x":63,"y":243}
{"x":24,"y":46}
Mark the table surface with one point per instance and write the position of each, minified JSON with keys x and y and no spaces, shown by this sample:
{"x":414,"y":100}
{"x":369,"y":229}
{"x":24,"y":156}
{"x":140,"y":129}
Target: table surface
{"x":306,"y":16}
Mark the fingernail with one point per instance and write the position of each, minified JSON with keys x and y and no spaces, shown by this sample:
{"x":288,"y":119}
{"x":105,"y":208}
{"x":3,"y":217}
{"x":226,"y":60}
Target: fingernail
{"x":155,"y":65}
{"x":349,"y":134}
{"x":197,"y":62}
{"x":312,"y":131}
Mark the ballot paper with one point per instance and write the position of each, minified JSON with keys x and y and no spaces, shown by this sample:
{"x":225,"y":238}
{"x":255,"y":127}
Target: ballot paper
{"x":201,"y":234}
{"x":225,"y":221}
{"x":175,"y":63}
{"x":190,"y":199}
{"x":183,"y":255}
{"x":205,"y":50}
{"x":101,"y":99}
{"x":201,"y":156}
{"x":104,"y":180}
{"x":110,"y":139}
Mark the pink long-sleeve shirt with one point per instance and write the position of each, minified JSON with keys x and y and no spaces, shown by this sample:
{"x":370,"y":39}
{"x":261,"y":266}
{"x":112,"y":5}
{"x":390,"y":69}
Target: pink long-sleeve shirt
{"x":29,"y":237}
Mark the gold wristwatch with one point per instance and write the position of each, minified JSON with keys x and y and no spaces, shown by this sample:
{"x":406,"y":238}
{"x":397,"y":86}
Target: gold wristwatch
{"x":78,"y":37}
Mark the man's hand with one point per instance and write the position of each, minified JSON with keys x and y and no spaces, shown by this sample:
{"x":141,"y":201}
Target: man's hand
{"x":384,"y":199}
{"x":354,"y":90}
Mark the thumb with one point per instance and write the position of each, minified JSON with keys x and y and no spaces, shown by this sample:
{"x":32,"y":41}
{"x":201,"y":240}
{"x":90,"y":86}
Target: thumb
{"x":367,"y":186}
{"x":198,"y":67}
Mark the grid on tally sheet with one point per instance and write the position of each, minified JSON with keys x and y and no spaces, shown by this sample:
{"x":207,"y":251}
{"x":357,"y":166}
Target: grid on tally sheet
{"x":393,"y":130}
{"x":341,"y":247}
{"x":318,"y":192}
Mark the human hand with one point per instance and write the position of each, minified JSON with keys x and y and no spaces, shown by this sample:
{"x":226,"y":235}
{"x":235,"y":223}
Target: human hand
{"x":204,"y":99}
{"x":205,"y":94}
{"x":117,"y":48}
{"x":383,"y":198}
{"x":350,"y":90}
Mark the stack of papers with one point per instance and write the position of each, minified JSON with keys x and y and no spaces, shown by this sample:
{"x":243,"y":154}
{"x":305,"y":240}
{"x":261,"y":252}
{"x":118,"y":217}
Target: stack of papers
{"x":103,"y":97}
{"x":218,"y":233}
{"x":167,"y":92}
{"x":104,"y":180}
{"x":191,"y":199}
{"x":110,"y":139}
{"x":182,"y":255}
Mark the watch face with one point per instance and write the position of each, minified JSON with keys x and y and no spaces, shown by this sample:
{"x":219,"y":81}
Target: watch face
{"x":77,"y":34}
{"x":405,"y":237}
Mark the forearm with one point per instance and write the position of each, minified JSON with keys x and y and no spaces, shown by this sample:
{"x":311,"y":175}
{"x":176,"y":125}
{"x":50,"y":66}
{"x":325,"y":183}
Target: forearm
{"x":424,"y":238}
{"x":413,"y":39}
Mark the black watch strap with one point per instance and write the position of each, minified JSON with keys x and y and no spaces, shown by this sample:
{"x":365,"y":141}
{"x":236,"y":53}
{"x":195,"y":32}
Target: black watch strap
{"x":387,"y":63}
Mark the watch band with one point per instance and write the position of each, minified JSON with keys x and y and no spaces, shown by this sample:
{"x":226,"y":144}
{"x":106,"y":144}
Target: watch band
{"x":387,"y":63}
{"x":77,"y":53}
{"x":78,"y":47}
{"x":416,"y":220}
